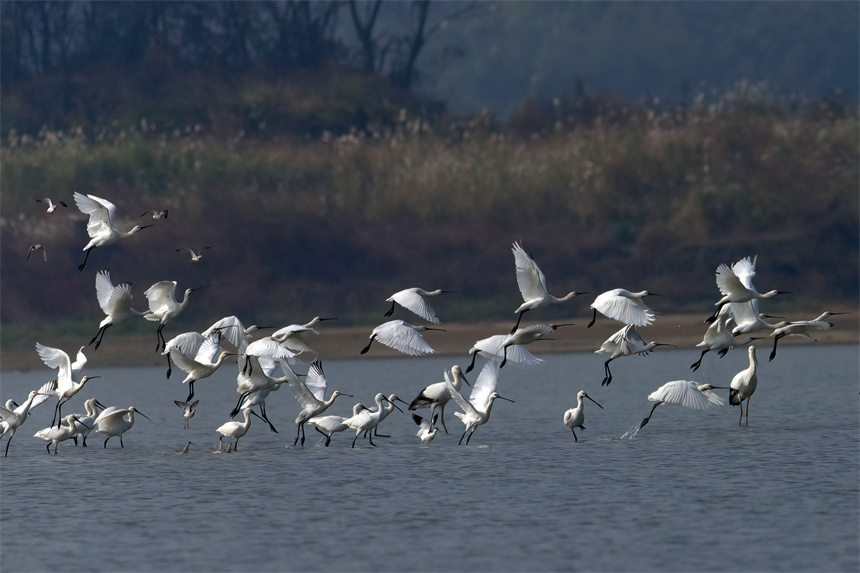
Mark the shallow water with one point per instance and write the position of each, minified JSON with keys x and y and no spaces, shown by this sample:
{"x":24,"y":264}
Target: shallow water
{"x":691,"y":491}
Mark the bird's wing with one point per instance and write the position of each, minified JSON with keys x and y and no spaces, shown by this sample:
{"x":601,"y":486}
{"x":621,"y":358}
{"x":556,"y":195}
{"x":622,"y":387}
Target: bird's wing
{"x":530,"y":331}
{"x":727,"y":281}
{"x":110,"y":413}
{"x":713,"y":398}
{"x":209,"y":349}
{"x":101,"y":213}
{"x":55,"y":358}
{"x":403,"y":337}
{"x":302,"y":393}
{"x":530,"y":278}
{"x":188,"y":344}
{"x":160,"y":295}
{"x":681,"y":393}
{"x":45,"y":391}
{"x":623,"y":309}
{"x":232,"y":329}
{"x":329,"y":423}
{"x":269,"y":348}
{"x":744,"y":269}
{"x":745,"y":312}
{"x":464,"y":404}
{"x":414,"y":302}
{"x":631,"y":341}
{"x":316,"y":381}
{"x":297,"y":344}
{"x":104,"y":289}
{"x":485,"y":384}
{"x":492,"y":345}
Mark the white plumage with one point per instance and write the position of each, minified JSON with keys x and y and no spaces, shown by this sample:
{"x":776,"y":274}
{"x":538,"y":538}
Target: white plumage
{"x":624,"y":306}
{"x":401,"y":336}
{"x":413,"y":299}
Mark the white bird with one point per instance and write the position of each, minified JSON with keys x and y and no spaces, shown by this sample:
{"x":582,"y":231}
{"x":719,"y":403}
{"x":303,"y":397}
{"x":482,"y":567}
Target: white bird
{"x":387,"y":408}
{"x":101,"y":224}
{"x":743,"y":385}
{"x":735,"y":284}
{"x":311,"y":397}
{"x":234,"y":331}
{"x":115,"y":302}
{"x":236,"y":430}
{"x":163,"y":306}
{"x":291,"y":336}
{"x":426,"y":430}
{"x":188,"y":411}
{"x":476,"y":410}
{"x":625,"y":342}
{"x":532,"y":283}
{"x":116,"y":421}
{"x":13,"y":415}
{"x":437,"y":395}
{"x":156,"y":213}
{"x":255,"y":383}
{"x":51,"y":205}
{"x":624,"y":306}
{"x":66,"y":430}
{"x":401,"y":336}
{"x":506,"y":346}
{"x":93,"y":407}
{"x":328,"y":425}
{"x":69,"y":379}
{"x":803,"y":328}
{"x":574,"y":417}
{"x":366,"y":419}
{"x":414,"y":300}
{"x":185,"y":449}
{"x":195,"y":257}
{"x":719,"y":337}
{"x":36,"y":249}
{"x":748,"y":319}
{"x":686,"y":393}
{"x":197,"y":355}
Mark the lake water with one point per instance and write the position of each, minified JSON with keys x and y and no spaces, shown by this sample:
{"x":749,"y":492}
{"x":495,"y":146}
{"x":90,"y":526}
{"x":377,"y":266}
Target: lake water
{"x":691,"y":491}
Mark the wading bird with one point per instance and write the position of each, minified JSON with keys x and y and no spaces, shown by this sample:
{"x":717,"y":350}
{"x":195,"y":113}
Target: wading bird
{"x":328,"y":425}
{"x":414,"y":300}
{"x":366,"y":419}
{"x":624,"y":306}
{"x":532,"y":283}
{"x":51,"y":205}
{"x":311,"y":397}
{"x":735,"y":284}
{"x":476,"y":410}
{"x":686,"y":393}
{"x":719,"y":337}
{"x":236,"y":430}
{"x":426,"y":430}
{"x":14,"y":415}
{"x":437,"y":395}
{"x":624,"y":343}
{"x":115,"y":302}
{"x":37,"y":248}
{"x":574,"y":417}
{"x":69,"y":379}
{"x":66,"y":430}
{"x":195,"y":257}
{"x":387,"y":408}
{"x":93,"y":407}
{"x":506,"y":346}
{"x":743,"y":385}
{"x":803,"y":328}
{"x":262,"y":377}
{"x":100,"y":227}
{"x":163,"y":306}
{"x":115,"y":422}
{"x":401,"y":336}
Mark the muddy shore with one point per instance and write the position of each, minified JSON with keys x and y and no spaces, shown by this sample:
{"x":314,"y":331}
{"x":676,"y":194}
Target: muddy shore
{"x":684,"y":331}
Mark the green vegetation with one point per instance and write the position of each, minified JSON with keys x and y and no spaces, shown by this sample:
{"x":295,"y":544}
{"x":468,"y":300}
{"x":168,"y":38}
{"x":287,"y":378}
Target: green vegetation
{"x":615,"y":196}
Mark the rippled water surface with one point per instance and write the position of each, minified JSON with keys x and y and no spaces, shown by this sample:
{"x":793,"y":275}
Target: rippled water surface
{"x":691,"y":491}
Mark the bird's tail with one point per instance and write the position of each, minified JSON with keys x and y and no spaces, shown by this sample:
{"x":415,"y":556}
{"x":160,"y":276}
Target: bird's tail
{"x":420,"y":402}
{"x":733,"y":397}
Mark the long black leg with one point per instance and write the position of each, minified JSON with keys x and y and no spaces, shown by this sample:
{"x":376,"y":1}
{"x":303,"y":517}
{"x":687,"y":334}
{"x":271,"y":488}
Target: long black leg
{"x":651,"y":413}
{"x":169,"y":366}
{"x":266,"y":418}
{"x":593,"y":318}
{"x":517,"y":325}
{"x":191,"y":393}
{"x":366,"y":348}
{"x":773,"y":352}
{"x":7,"y":444}
{"x":83,"y":264}
{"x":695,"y":365}
{"x":298,"y":433}
{"x":607,"y":374}
{"x":472,"y":433}
{"x":355,"y":438}
{"x":463,"y":436}
{"x":505,"y":356}
{"x":575,"y":439}
{"x":391,"y":310}
{"x":472,"y":365}
{"x":327,"y":437}
{"x":242,"y":397}
{"x":106,"y":440}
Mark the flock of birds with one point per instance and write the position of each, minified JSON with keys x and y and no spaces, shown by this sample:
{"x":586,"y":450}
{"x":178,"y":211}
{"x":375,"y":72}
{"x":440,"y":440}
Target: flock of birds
{"x":267,"y":362}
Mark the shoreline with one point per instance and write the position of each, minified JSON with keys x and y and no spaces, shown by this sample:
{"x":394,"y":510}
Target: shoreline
{"x":334,"y":343}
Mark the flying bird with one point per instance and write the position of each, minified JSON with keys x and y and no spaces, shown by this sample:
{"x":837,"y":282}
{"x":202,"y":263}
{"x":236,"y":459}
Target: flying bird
{"x":101,"y":227}
{"x":37,"y":248}
{"x":51,"y":205}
